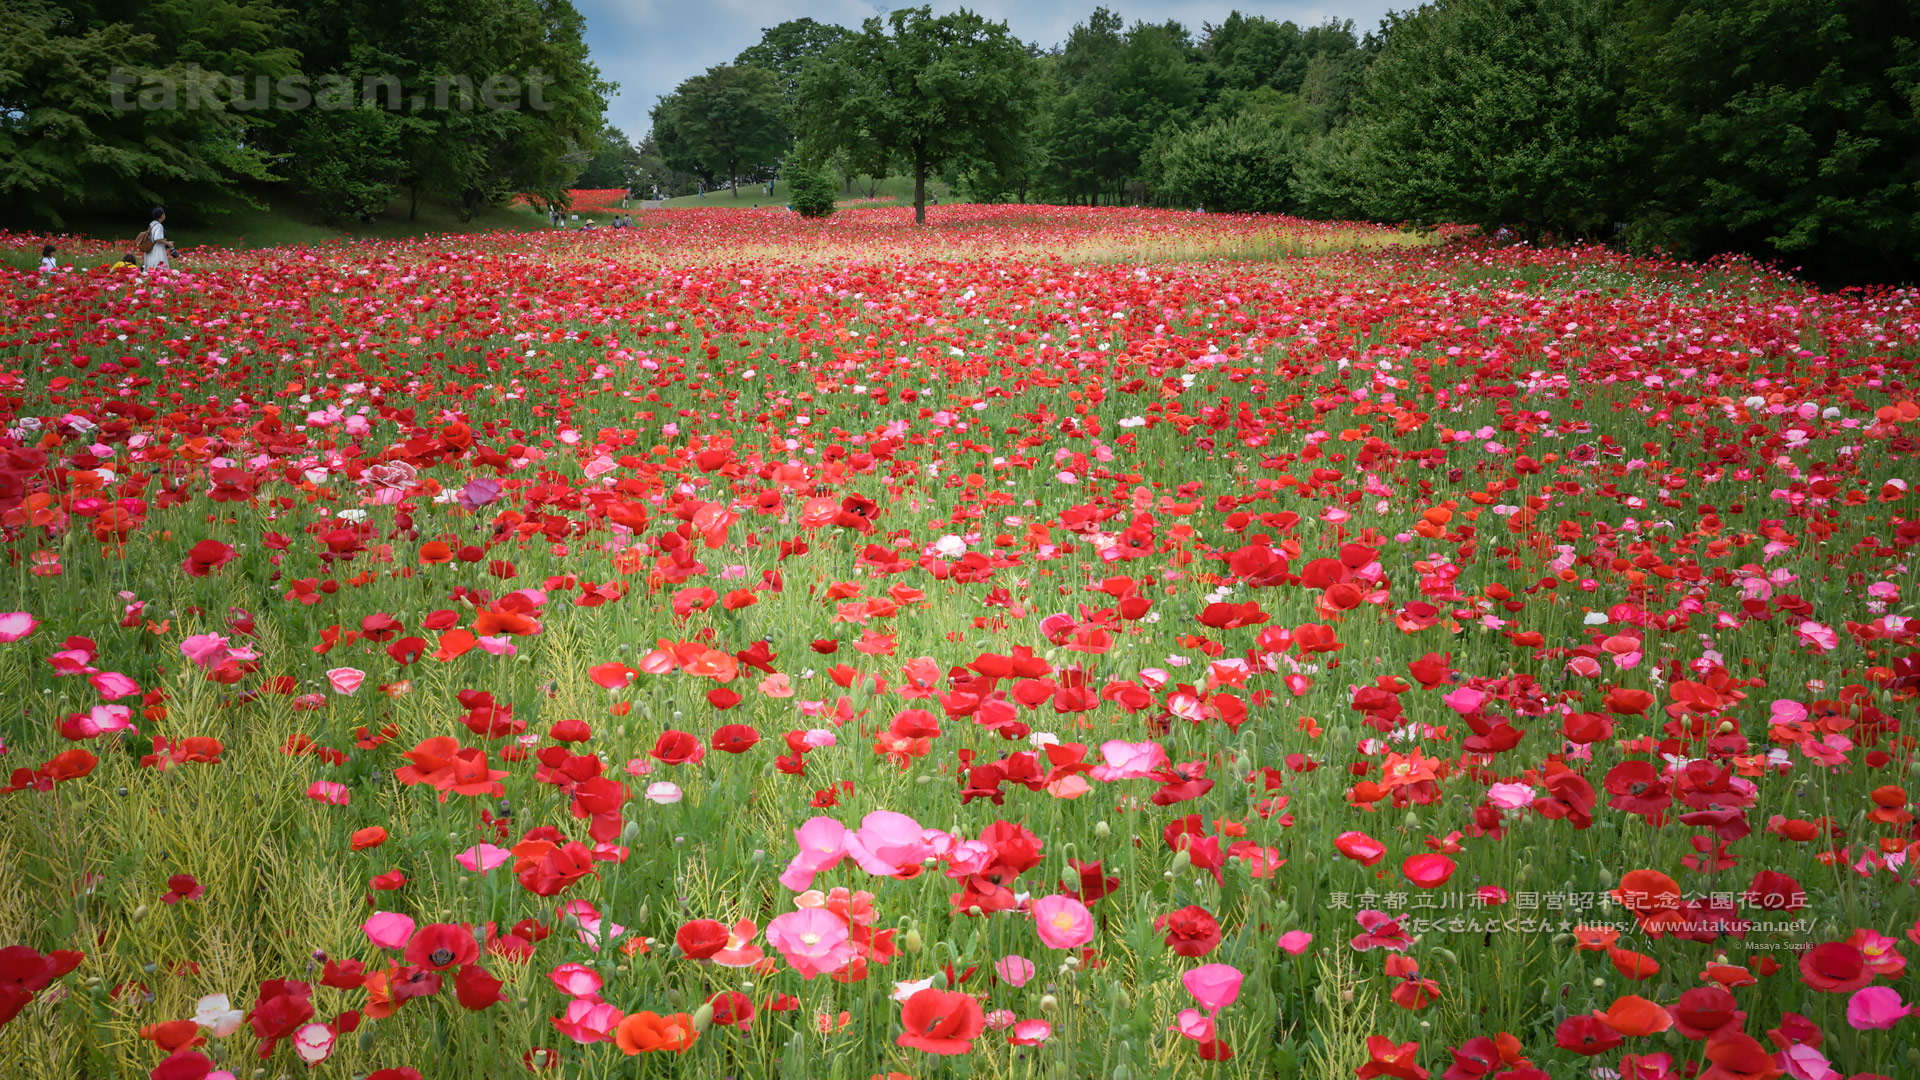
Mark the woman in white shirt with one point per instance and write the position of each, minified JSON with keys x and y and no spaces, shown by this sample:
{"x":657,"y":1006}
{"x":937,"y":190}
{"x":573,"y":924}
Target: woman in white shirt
{"x":159,"y":254}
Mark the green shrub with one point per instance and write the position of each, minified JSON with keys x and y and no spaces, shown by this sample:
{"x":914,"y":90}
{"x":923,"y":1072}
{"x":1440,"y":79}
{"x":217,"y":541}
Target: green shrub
{"x":809,"y":190}
{"x":1242,"y":165}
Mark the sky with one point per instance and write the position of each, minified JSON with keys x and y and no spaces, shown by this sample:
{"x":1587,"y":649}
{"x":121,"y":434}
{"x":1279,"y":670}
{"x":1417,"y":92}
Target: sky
{"x":649,"y":46}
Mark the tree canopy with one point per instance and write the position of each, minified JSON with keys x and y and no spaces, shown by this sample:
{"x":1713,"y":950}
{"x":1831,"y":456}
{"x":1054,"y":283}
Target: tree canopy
{"x":920,"y":91}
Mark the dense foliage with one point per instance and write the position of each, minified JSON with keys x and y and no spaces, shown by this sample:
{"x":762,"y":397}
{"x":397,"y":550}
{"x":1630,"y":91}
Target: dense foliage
{"x":120,"y":105}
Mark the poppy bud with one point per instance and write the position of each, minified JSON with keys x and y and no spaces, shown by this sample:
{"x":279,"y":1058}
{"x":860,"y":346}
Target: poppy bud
{"x":1182,"y":859}
{"x":630,"y":835}
{"x":1446,"y":955}
{"x":1672,"y":1037}
{"x":911,"y":941}
{"x":139,"y":914}
{"x":1049,"y":1004}
{"x":1120,"y":1001}
{"x":1101,"y":830}
{"x":1561,"y":941}
{"x":1606,"y":878}
{"x":923,"y":779}
{"x":367,"y":1037}
{"x":1120,"y":1071}
{"x":975,"y":911}
{"x":1071,"y":963}
{"x":1599,"y":983}
{"x":1412,"y":820}
{"x":940,"y":980}
{"x":1559,"y":1014}
{"x":703,"y":1017}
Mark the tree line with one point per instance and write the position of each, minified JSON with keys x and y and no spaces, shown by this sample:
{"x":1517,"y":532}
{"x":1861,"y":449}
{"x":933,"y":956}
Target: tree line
{"x":126,"y":103}
{"x":1786,"y":129}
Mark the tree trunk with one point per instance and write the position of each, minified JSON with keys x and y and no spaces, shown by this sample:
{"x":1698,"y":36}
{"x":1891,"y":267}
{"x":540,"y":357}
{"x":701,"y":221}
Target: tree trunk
{"x":413,"y":201}
{"x":919,"y":190}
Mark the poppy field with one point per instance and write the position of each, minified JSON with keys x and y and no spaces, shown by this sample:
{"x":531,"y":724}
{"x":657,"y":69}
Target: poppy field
{"x":1056,"y":643}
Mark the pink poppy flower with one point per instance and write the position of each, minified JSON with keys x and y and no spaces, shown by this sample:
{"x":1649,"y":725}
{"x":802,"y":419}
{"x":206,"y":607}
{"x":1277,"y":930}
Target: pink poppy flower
{"x":1876,"y":1008}
{"x":1016,"y":971}
{"x":1295,"y":942}
{"x":823,"y":843}
{"x":1029,"y":1033}
{"x":1062,"y":921}
{"x":15,"y":625}
{"x":388,"y":929}
{"x":345,"y":680}
{"x":813,"y":940}
{"x":481,"y":858}
{"x":1128,"y":761}
{"x":577,"y":981}
{"x":887,"y":843}
{"x":329,"y":792}
{"x":587,"y":1021}
{"x":1214,"y":986}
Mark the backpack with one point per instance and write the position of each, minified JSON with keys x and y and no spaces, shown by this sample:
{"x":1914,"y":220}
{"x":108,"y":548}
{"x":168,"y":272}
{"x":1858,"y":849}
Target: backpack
{"x":144,"y":241}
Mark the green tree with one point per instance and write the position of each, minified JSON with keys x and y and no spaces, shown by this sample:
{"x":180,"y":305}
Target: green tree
{"x":1791,"y":131}
{"x":921,"y":91}
{"x":101,"y":110}
{"x":1491,"y":112}
{"x":491,"y":98}
{"x":1115,"y":92}
{"x":725,"y":122}
{"x":1242,"y":165}
{"x":785,"y":50}
{"x":616,"y":164}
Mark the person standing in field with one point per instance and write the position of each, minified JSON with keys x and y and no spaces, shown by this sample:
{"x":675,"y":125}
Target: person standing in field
{"x":154,"y":244}
{"x":48,"y":264}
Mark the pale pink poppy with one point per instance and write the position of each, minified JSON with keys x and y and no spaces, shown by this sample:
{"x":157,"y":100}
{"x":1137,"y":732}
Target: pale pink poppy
{"x":112,"y":686}
{"x":588,"y":1021}
{"x":345,"y":680}
{"x":1128,"y":761}
{"x":740,"y":951}
{"x":1029,"y":1033}
{"x":887,"y":843}
{"x":15,"y":625}
{"x":813,"y":940}
{"x":313,"y":1043}
{"x":1062,"y":921}
{"x":1817,"y":635}
{"x":577,"y":981}
{"x":481,"y":858}
{"x":1015,"y":971}
{"x":823,"y":843}
{"x":1194,"y":1024}
{"x":777,"y":685}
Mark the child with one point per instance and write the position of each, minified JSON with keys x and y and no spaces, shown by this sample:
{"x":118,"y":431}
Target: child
{"x":48,"y":264}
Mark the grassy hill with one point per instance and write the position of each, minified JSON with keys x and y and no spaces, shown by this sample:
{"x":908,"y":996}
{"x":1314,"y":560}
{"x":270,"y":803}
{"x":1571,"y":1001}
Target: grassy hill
{"x":290,"y":218}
